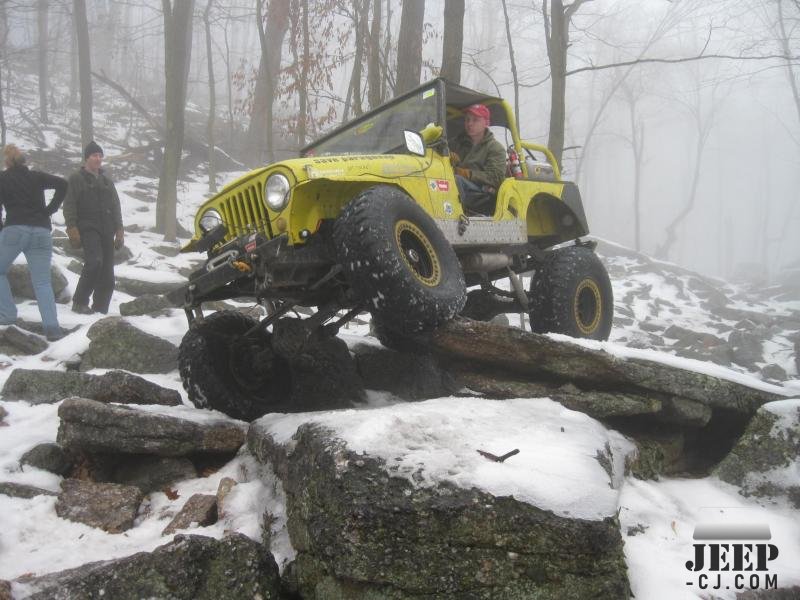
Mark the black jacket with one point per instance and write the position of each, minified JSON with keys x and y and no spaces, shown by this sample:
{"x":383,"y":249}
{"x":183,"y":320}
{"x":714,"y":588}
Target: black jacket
{"x":22,"y":196}
{"x":92,"y":203}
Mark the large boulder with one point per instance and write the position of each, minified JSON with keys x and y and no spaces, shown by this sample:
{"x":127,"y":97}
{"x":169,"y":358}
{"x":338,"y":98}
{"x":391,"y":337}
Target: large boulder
{"x":116,"y":344}
{"x":19,"y":278}
{"x":507,"y":351}
{"x":411,"y":376}
{"x":43,"y":386}
{"x":408,"y":507}
{"x":190,"y":567}
{"x":96,"y":427}
{"x":765,"y":461}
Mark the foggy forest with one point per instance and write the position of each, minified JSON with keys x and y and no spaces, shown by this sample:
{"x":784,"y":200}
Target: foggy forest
{"x":679,"y":119}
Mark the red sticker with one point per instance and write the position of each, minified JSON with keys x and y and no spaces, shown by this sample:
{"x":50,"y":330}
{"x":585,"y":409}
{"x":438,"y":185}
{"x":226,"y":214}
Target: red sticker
{"x":443,"y":185}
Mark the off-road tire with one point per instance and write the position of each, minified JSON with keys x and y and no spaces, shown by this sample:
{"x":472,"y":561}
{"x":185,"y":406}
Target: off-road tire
{"x":206,"y":364}
{"x":398,"y":261}
{"x":571,"y":294}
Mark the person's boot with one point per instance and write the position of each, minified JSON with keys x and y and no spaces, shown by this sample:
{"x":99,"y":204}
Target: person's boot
{"x":81,"y":309}
{"x":53,"y":335}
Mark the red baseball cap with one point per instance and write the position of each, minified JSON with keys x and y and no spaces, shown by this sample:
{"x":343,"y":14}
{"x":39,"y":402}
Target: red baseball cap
{"x":479,"y":110}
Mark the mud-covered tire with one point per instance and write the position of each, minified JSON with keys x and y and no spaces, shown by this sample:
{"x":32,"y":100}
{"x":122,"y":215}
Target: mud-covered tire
{"x":571,"y":294}
{"x":220,"y":370}
{"x":398,"y":261}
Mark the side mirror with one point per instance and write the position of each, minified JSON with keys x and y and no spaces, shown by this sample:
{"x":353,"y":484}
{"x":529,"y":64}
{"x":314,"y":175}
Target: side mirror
{"x":414,"y":143}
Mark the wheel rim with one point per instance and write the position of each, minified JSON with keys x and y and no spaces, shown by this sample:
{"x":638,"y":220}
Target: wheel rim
{"x":247,"y":365}
{"x":587,"y":306}
{"x":418,"y":253}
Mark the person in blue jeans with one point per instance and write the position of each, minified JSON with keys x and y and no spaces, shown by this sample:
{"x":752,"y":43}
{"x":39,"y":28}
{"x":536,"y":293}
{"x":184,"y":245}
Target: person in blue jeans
{"x":27,"y":230}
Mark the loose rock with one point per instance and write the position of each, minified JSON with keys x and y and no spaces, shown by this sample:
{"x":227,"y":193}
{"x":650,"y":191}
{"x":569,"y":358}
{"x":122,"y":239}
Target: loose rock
{"x":49,"y":457}
{"x":116,"y":344}
{"x":107,"y":506}
{"x":200,"y":509}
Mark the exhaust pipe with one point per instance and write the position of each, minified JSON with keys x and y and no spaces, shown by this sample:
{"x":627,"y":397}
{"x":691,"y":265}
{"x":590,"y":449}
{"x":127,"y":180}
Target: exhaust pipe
{"x":484,"y":262}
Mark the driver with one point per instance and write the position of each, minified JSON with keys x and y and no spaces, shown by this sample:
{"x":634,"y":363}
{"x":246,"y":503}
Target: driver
{"x":479,"y":160}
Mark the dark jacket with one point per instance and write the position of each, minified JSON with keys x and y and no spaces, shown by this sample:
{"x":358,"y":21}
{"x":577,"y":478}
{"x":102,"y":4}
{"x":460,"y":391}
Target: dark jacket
{"x":486,"y":160}
{"x":92,"y":203}
{"x":22,"y":196}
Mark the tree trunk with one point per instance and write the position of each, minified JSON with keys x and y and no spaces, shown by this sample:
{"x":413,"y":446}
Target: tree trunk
{"x":302,"y":117}
{"x":41,"y":21}
{"x":703,"y":127}
{"x":212,"y":101}
{"x":557,"y":39}
{"x":513,"y":65}
{"x":84,"y":70}
{"x":453,"y":40}
{"x":387,"y":85}
{"x":637,"y":146}
{"x":409,"y":46}
{"x":260,"y":134}
{"x":374,"y":95}
{"x":177,"y":52}
{"x":360,"y":18}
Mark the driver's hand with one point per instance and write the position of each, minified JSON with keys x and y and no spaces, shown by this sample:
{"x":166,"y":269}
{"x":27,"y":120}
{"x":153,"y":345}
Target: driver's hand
{"x":454,"y":158}
{"x":465,"y":173}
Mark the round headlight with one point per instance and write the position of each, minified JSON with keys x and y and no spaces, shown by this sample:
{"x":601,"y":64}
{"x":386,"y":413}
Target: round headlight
{"x":210,"y":219}
{"x":276,"y":191}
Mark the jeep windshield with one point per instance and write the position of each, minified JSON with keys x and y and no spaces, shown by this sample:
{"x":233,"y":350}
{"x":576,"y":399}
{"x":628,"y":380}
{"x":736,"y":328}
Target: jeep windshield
{"x":382,"y":131}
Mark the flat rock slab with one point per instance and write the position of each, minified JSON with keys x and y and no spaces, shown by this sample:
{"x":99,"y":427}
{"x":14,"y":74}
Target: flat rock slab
{"x":107,"y":506}
{"x":511,"y":350}
{"x":20,"y":490}
{"x":116,"y":344}
{"x":96,"y":427}
{"x":191,"y":567}
{"x":137,"y":287}
{"x":199,"y":509}
{"x":399,"y":513}
{"x":42,"y":386}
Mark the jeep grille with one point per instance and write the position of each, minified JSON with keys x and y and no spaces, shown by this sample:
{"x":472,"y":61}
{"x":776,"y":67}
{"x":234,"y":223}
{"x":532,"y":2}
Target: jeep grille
{"x":243,"y":212}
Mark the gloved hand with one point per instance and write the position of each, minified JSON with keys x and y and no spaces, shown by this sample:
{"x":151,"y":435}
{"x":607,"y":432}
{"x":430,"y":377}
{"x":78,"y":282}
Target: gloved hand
{"x":465,"y":173}
{"x":74,"y":237}
{"x":119,"y":238}
{"x":454,"y":158}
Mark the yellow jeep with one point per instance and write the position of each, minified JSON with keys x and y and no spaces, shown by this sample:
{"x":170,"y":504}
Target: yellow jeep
{"x":368,"y":219}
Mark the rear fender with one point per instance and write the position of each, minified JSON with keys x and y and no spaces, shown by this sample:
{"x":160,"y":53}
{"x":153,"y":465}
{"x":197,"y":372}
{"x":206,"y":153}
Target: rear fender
{"x":560,"y":218}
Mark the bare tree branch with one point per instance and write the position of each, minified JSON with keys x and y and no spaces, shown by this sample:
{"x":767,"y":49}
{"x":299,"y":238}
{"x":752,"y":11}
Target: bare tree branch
{"x":640,"y":61}
{"x":154,"y":123}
